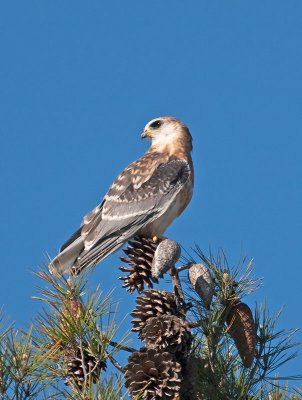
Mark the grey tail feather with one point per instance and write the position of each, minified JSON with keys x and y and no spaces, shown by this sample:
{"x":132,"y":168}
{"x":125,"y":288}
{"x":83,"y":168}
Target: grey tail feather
{"x":63,"y":262}
{"x":71,"y":239}
{"x":97,"y":253}
{"x":73,"y":258}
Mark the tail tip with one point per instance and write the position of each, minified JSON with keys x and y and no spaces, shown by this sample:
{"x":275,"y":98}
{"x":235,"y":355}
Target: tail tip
{"x":56,"y":268}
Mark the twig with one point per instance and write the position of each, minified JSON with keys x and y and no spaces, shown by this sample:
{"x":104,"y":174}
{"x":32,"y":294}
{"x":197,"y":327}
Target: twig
{"x":83,"y":363}
{"x":184,"y":267}
{"x":122,"y":347}
{"x":178,"y":290}
{"x":117,"y":364}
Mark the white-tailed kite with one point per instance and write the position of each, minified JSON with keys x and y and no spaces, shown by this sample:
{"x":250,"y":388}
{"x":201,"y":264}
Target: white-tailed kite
{"x":143,"y":200}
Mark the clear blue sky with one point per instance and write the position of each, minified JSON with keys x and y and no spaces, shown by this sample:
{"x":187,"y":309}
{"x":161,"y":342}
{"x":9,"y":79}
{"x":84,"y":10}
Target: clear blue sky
{"x":79,"y":80}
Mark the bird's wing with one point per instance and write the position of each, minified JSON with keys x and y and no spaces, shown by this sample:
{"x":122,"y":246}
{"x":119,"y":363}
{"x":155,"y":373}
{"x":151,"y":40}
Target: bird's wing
{"x":142,"y":193}
{"x":135,"y":174}
{"x":131,"y":179}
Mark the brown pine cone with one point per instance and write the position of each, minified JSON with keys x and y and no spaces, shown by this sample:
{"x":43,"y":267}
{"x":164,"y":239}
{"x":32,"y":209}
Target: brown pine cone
{"x":241,"y":326}
{"x":167,"y":333}
{"x":153,"y":375}
{"x":140,"y":253}
{"x":151,"y":304}
{"x":76,"y":371}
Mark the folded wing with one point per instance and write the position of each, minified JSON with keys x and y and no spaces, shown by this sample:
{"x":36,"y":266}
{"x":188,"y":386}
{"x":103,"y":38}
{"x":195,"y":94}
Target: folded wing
{"x":140,"y":195}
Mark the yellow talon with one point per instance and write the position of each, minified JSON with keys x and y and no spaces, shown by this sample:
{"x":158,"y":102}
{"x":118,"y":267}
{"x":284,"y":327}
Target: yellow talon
{"x":158,"y":238}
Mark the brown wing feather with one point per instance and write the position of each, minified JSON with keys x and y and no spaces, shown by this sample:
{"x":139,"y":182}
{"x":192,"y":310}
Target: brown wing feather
{"x":126,"y":206}
{"x":124,"y":215}
{"x":139,"y":195}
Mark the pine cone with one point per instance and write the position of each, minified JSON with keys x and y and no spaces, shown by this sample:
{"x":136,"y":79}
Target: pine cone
{"x":76,"y":371}
{"x":140,"y":253}
{"x":151,"y":304}
{"x":165,"y":256}
{"x":202,"y":282}
{"x":242,"y":328}
{"x":153,"y":375}
{"x":167,"y":333}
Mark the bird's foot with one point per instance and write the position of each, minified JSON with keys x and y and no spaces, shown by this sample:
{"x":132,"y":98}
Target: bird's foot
{"x":158,"y":238}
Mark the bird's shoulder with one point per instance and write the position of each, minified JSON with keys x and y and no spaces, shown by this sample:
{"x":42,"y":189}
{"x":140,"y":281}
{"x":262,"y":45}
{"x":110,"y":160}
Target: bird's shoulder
{"x":151,"y":174}
{"x":136,"y":173}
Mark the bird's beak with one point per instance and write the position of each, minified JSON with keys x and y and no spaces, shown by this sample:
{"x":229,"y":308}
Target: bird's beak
{"x":145,"y":134}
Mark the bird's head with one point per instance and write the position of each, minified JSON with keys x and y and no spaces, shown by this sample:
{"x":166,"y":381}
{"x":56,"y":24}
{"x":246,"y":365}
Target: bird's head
{"x":166,"y":130}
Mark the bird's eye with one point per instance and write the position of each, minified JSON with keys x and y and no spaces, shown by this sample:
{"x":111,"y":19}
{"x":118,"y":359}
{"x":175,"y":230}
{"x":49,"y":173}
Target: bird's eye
{"x":156,"y":124}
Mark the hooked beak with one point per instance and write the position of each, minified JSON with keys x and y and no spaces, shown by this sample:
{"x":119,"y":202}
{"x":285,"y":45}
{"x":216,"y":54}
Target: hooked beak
{"x":145,"y":134}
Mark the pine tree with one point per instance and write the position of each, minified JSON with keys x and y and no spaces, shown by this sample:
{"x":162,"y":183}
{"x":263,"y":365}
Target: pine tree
{"x":199,"y":340}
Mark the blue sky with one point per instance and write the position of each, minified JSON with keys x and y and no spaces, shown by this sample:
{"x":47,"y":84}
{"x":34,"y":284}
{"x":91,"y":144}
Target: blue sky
{"x":79,"y":80}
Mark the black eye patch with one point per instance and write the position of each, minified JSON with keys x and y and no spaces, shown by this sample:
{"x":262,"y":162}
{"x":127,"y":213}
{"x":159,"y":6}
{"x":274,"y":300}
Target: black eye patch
{"x":156,"y":124}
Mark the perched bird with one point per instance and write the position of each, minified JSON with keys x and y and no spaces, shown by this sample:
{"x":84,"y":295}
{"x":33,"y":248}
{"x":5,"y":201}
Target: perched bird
{"x":143,"y":200}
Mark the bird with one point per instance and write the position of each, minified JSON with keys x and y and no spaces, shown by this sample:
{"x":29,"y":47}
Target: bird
{"x":142,"y":201}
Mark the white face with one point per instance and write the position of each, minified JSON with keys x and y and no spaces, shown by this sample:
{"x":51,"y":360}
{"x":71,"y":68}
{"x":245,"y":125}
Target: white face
{"x":163,"y":130}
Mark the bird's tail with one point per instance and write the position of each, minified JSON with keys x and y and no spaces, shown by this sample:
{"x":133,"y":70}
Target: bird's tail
{"x":74,"y":258}
{"x":68,"y":255}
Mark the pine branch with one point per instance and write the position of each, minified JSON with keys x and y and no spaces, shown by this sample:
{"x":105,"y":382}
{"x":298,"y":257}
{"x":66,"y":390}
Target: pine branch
{"x":199,"y":343}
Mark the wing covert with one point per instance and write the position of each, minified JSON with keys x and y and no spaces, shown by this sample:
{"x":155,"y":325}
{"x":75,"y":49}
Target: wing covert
{"x":135,"y":207}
